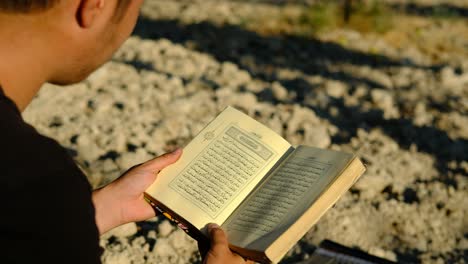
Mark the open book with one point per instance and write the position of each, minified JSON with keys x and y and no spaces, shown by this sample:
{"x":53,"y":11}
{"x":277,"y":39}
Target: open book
{"x":241,"y":175}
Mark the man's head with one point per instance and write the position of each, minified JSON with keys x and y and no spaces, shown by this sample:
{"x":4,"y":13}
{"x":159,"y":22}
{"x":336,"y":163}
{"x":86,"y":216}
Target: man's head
{"x":70,"y":38}
{"x":25,"y":6}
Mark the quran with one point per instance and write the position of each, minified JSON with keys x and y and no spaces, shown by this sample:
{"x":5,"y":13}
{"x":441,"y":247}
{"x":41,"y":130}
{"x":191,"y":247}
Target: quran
{"x":264,"y":192}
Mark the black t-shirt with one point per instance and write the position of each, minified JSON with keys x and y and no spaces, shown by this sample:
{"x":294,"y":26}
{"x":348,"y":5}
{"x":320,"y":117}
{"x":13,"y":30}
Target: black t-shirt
{"x":47,"y":214}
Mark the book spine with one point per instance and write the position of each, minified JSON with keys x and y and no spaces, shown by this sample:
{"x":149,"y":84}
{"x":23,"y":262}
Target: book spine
{"x":196,"y":234}
{"x":188,"y":228}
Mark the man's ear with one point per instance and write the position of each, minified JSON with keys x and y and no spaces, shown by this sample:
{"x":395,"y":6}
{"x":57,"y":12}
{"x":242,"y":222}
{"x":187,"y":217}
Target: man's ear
{"x":88,"y":11}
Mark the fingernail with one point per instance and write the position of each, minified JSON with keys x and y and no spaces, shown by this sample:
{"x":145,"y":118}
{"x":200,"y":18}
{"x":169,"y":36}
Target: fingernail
{"x":213,"y":226}
{"x":176,"y":151}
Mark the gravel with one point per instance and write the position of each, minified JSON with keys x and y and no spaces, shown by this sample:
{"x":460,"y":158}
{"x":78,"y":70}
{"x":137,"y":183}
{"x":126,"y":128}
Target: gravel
{"x":404,"y":113}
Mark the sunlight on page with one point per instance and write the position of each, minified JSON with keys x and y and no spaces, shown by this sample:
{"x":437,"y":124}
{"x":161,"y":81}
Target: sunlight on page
{"x":219,"y":168}
{"x":284,"y":196}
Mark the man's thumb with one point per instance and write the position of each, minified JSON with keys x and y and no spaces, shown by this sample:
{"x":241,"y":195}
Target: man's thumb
{"x":218,"y":237}
{"x":159,"y":163}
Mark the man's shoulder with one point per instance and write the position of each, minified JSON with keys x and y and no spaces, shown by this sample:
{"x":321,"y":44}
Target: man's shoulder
{"x":41,"y":183}
{"x":19,"y":139}
{"x":27,"y":154}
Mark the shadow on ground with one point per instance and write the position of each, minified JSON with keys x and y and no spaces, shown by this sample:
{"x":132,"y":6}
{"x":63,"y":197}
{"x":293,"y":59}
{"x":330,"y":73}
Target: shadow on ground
{"x":262,"y":56}
{"x":233,"y":43}
{"x":438,"y":10}
{"x":443,"y":10}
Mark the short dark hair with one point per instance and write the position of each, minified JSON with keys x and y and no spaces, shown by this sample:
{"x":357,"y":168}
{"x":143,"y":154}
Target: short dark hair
{"x":26,"y":6}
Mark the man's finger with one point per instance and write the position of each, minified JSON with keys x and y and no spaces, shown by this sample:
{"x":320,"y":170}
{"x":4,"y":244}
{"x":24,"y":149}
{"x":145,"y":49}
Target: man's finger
{"x":219,"y":240}
{"x":157,"y":164}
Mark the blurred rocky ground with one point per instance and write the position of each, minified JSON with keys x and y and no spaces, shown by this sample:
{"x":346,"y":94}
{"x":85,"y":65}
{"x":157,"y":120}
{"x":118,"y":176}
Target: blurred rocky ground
{"x":394,"y":90}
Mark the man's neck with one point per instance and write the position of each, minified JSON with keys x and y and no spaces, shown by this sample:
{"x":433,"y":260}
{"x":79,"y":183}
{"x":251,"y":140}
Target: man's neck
{"x":19,"y":86}
{"x":23,"y":64}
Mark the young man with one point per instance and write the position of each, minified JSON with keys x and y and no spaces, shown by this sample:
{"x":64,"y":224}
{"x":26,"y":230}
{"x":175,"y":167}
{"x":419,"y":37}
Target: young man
{"x":50,"y":214}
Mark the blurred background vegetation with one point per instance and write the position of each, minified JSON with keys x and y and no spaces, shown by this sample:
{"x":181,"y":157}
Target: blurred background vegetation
{"x":361,"y":15}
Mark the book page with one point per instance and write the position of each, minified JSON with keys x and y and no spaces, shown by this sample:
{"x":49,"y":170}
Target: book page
{"x":284,"y":196}
{"x":219,"y":168}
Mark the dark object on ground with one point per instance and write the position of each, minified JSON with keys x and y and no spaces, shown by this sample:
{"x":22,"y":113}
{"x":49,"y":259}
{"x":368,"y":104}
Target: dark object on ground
{"x":330,"y":252}
{"x":347,"y":10}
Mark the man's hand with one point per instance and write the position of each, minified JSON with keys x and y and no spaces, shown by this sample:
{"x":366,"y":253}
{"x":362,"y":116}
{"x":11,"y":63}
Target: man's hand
{"x":219,"y":253}
{"x":123,"y":201}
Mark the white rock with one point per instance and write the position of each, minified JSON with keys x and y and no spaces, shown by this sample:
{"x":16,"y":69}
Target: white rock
{"x":165,"y":228}
{"x":450,"y":80}
{"x":152,"y":234}
{"x":299,"y":117}
{"x":335,"y":88}
{"x":387,"y":254}
{"x":130,"y":159}
{"x":179,"y":239}
{"x":279,"y":92}
{"x":87,"y":148}
{"x":316,"y":136}
{"x":126,"y":230}
{"x":163,"y":248}
{"x":382,"y":98}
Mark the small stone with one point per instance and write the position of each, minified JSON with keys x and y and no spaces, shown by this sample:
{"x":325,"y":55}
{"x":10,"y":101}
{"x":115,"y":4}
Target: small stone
{"x":381,"y":78}
{"x":316,"y":136}
{"x":126,"y":230}
{"x":152,"y":234}
{"x":162,"y":248}
{"x":279,"y":92}
{"x":131,"y":159}
{"x":178,"y":239}
{"x":87,"y":148}
{"x":165,"y":228}
{"x":421,"y":116}
{"x":452,"y":80}
{"x":382,"y":98}
{"x":335,"y":89}
{"x":382,"y":253}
